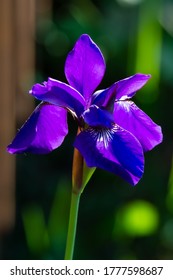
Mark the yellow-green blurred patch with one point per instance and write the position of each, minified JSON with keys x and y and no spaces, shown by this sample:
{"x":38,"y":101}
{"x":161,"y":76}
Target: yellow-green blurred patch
{"x":138,"y":218}
{"x":148,"y":49}
{"x":58,"y":219}
{"x":35,"y":229}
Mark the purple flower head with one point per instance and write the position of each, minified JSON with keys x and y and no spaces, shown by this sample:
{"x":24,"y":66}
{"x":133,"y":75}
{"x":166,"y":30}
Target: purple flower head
{"x":114,"y":132}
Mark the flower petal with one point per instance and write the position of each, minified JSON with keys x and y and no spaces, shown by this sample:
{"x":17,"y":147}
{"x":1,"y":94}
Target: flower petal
{"x":96,"y":117}
{"x":115,"y":150}
{"x":128,"y":87}
{"x":105,"y":98}
{"x":43,"y":132}
{"x":124,"y":89}
{"x":133,"y":119}
{"x":85,"y":67}
{"x":61,"y":94}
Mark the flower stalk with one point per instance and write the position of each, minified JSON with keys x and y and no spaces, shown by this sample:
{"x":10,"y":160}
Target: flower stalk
{"x":77,"y":178}
{"x":81,"y":174}
{"x":77,"y":172}
{"x":74,"y":207}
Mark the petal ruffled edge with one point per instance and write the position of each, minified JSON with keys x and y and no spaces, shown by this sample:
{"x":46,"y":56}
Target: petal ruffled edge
{"x":60,"y":94}
{"x":43,"y":132}
{"x":133,"y":119}
{"x":115,"y":150}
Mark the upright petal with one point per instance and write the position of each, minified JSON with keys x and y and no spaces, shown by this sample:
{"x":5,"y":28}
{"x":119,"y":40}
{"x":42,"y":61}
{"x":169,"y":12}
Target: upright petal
{"x":115,"y":150}
{"x":124,"y":89}
{"x":129,"y":86}
{"x":105,"y":98}
{"x":61,"y":94}
{"x":133,"y":119}
{"x":43,"y":132}
{"x":85,"y":67}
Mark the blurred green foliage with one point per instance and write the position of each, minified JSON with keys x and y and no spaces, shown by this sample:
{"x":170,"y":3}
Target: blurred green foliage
{"x":116,"y":221}
{"x":138,"y":218}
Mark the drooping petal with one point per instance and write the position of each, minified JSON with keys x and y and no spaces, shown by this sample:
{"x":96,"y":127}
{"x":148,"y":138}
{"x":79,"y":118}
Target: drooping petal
{"x":115,"y":150}
{"x":43,"y":132}
{"x":133,"y":119}
{"x":61,"y":94}
{"x":125,"y":89}
{"x":96,"y":117}
{"x":85,"y":67}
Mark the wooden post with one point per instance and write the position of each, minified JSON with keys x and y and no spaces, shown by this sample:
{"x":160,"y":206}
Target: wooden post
{"x":25,"y":56}
{"x":16,"y":70}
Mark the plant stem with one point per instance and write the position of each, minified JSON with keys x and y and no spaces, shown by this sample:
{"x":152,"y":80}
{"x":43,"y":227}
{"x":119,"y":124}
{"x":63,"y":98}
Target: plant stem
{"x":75,"y":198}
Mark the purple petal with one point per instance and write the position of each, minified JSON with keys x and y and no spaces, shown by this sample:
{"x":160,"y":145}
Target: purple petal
{"x":61,"y":94}
{"x":105,"y":98}
{"x":114,"y":150}
{"x":97,"y":117}
{"x":85,"y":67}
{"x":43,"y":132}
{"x":125,"y":89}
{"x":129,"y":86}
{"x":133,"y":119}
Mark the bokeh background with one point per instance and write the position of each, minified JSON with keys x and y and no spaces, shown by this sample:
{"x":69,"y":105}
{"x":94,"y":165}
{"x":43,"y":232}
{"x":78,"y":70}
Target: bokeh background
{"x":116,"y":221}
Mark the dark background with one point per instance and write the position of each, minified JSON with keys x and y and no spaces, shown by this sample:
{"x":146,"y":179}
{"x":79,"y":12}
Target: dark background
{"x":116,"y":221}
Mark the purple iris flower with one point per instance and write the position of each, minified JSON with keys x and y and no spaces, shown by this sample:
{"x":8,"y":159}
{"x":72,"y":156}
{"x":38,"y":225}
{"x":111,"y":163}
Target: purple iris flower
{"x":114,"y":132}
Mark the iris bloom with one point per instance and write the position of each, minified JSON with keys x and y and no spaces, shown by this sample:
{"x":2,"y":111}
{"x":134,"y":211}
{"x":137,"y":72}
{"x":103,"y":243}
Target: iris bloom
{"x":113,"y":132}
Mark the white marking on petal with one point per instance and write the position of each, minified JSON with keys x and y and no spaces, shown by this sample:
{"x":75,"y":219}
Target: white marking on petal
{"x":102,"y":135}
{"x":125,"y":104}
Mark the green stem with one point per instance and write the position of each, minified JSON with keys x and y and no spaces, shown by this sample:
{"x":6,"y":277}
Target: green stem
{"x":75,"y":198}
